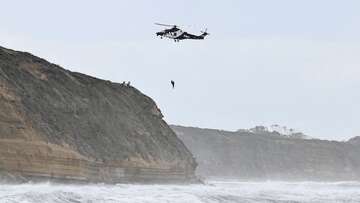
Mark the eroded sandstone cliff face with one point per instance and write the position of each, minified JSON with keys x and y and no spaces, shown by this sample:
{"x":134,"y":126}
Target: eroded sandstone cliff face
{"x":64,"y":125}
{"x":260,"y":156}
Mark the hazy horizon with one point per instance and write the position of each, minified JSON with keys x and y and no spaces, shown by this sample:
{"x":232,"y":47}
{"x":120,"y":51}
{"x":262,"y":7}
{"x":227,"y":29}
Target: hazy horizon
{"x":289,"y":63}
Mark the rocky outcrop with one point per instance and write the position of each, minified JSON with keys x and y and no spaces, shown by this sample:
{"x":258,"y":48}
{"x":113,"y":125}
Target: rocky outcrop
{"x":260,"y":156}
{"x":58,"y":124}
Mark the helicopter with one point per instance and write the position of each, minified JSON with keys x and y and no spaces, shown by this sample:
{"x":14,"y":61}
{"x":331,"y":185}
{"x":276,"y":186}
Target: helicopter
{"x":177,"y":34}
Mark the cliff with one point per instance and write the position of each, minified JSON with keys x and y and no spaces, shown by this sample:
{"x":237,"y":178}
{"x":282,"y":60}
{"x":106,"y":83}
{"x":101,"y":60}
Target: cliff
{"x":270,"y":156}
{"x":354,"y":140}
{"x":58,"y":124}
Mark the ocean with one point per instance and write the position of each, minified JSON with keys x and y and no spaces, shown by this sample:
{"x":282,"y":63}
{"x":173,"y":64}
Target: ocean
{"x":211,"y":192}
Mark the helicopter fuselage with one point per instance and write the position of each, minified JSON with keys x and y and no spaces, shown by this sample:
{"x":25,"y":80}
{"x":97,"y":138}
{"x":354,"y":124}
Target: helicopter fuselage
{"x":173,"y":35}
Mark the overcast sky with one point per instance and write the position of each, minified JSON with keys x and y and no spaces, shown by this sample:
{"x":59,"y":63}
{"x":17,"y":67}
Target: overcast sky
{"x":293,"y":63}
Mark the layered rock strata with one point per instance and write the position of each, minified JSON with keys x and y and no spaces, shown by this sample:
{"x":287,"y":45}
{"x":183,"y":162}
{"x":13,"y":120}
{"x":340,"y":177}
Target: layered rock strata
{"x":58,"y":124}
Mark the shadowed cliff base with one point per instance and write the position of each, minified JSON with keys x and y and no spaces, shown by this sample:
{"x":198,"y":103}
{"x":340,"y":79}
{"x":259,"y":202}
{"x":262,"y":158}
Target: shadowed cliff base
{"x":60,"y":125}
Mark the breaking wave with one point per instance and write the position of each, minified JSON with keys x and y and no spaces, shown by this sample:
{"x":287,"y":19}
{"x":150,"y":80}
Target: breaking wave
{"x":214,"y":191}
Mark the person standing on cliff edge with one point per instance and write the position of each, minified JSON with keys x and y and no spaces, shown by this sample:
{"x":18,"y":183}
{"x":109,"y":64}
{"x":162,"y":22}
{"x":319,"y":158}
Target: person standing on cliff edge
{"x":173,"y":84}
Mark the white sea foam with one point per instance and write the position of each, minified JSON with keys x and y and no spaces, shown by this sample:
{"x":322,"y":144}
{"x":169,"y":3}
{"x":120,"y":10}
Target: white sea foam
{"x":214,"y":191}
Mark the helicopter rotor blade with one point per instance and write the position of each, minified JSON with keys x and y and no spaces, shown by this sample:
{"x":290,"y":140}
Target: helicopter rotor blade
{"x":166,"y":25}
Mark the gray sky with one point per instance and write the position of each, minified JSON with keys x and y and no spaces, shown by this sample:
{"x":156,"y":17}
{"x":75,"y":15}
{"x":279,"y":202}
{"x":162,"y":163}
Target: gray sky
{"x":293,"y":63}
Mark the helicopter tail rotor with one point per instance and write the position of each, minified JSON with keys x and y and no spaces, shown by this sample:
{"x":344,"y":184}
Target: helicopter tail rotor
{"x":205,"y":32}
